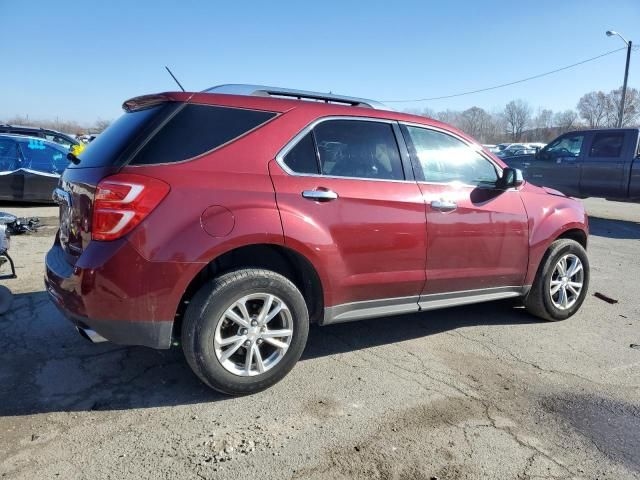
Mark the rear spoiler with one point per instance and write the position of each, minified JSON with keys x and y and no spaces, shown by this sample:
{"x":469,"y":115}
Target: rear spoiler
{"x":145,"y":101}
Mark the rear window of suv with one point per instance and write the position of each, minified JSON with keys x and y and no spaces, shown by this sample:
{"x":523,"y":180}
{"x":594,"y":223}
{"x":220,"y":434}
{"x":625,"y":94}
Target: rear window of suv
{"x":116,"y":143}
{"x":180,"y":132}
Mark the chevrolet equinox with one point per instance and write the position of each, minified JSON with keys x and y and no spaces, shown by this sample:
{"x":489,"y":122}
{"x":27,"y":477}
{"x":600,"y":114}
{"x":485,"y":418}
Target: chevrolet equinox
{"x":228,"y":220}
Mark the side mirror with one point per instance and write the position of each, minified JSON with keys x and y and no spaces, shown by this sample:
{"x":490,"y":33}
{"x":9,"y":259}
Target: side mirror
{"x":511,"y":178}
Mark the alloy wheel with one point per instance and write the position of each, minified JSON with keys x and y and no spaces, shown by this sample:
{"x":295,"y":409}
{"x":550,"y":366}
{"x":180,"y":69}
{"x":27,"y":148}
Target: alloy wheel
{"x":566,"y":282}
{"x":253,"y":334}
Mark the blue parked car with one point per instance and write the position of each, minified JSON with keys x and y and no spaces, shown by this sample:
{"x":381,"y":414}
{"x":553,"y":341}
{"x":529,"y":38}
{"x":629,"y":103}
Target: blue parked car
{"x":30,"y":168}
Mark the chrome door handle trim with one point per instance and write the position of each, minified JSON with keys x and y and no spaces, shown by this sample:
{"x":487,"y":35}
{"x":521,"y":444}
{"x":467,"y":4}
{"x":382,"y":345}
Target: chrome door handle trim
{"x":320,"y":195}
{"x":443,"y":205}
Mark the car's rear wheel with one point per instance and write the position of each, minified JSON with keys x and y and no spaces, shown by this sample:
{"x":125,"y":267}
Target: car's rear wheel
{"x":245,"y":330}
{"x":561,"y":283}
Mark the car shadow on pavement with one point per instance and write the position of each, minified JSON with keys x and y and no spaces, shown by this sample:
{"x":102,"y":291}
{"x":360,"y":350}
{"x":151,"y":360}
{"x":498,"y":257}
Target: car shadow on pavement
{"x":45,"y":366}
{"x":620,"y":229}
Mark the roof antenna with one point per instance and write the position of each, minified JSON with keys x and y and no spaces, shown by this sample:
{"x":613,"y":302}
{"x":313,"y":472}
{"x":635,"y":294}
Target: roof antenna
{"x":174,"y":77}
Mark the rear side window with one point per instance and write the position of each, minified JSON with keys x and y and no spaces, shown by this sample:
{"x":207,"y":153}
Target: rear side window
{"x":607,"y":145}
{"x":197,"y":129}
{"x":358,"y":149}
{"x":113,"y":145}
{"x":302,"y":158}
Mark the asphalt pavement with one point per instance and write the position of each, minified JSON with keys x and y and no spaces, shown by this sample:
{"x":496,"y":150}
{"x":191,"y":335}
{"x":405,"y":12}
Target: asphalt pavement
{"x":483,"y":391}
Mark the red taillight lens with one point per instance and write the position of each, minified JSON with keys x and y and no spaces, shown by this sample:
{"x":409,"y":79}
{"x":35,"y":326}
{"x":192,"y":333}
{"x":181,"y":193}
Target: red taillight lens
{"x":122,"y":201}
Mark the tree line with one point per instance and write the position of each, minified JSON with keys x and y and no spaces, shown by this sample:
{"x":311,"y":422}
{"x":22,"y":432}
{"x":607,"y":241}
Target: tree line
{"x":518,"y":122}
{"x":65,"y":126}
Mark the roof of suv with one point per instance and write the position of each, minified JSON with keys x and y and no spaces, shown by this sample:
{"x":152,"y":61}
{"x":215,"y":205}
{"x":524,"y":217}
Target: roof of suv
{"x":279,"y":100}
{"x":289,"y":93}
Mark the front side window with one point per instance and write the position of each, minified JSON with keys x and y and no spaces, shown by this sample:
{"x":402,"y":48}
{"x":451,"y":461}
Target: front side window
{"x":358,"y":149}
{"x":568,"y":146}
{"x":607,"y":145}
{"x":443,"y":158}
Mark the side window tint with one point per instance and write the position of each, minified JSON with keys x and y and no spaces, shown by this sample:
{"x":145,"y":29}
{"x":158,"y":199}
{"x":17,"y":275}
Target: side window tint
{"x":359,"y":149}
{"x":607,"y":145}
{"x":302,"y":158}
{"x":197,"y":129}
{"x":443,"y":159}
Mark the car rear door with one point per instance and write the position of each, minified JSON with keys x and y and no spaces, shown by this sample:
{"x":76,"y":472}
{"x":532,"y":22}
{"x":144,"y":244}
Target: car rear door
{"x":477,"y":235}
{"x":348,"y":200}
{"x":603,"y":169}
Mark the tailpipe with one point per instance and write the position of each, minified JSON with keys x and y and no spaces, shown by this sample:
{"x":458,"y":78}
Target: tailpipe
{"x":91,"y":335}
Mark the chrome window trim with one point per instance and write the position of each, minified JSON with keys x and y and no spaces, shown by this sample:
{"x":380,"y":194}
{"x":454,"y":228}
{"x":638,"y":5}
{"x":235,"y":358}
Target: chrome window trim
{"x":302,"y":133}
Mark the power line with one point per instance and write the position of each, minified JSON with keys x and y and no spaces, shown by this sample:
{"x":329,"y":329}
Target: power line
{"x":507,"y":84}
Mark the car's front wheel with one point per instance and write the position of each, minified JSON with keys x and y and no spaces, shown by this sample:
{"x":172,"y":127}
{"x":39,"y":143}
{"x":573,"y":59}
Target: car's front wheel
{"x":245,"y":330}
{"x":561,"y":283}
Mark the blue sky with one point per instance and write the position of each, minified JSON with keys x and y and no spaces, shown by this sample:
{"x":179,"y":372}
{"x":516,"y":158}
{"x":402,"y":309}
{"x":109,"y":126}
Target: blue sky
{"x":81,"y":60}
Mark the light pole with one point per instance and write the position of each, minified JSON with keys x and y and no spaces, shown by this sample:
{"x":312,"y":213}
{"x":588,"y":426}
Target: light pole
{"x":611,"y":33}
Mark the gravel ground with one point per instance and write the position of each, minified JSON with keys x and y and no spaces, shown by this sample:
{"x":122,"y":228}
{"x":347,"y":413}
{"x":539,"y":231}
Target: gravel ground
{"x":484,"y":391}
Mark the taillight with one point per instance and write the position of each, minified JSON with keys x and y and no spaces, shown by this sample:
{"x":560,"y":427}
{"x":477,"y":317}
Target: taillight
{"x":122,"y":201}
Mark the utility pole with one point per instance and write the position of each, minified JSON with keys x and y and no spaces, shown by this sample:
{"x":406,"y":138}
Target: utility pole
{"x":624,"y":85}
{"x":626,"y":75}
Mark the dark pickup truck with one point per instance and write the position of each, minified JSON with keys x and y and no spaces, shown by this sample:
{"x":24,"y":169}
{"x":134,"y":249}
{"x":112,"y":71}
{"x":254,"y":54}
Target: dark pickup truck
{"x":587,"y":163}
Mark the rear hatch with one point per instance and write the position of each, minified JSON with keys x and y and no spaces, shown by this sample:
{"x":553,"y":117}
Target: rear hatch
{"x":105,"y":156}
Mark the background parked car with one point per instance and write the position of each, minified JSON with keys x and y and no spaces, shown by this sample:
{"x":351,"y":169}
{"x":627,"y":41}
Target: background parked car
{"x":587,"y":163}
{"x":492,"y":148}
{"x":516,"y":149}
{"x":60,"y":138}
{"x":30,"y":168}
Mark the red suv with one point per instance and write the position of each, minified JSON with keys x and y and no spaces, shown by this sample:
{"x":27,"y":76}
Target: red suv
{"x":229,"y":220}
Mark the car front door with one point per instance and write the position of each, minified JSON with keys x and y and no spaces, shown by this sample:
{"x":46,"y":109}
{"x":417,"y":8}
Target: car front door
{"x":603,"y":169}
{"x":348,"y":201}
{"x":477,"y":235}
{"x":558,"y":164}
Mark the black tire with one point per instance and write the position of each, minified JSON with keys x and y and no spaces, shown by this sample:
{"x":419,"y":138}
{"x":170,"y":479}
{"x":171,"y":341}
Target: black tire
{"x":205,"y":312}
{"x":538,"y":301}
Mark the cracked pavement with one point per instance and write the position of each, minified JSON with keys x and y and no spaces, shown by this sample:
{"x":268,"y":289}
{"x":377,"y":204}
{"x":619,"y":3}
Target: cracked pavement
{"x":483,"y":391}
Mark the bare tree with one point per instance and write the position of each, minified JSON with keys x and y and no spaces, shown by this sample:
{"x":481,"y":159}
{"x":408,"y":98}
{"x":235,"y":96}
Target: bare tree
{"x":517,"y":115}
{"x":565,"y":121}
{"x":631,"y":113}
{"x":449,"y":116}
{"x":101,"y":125}
{"x":543,"y":119}
{"x":593,"y":108}
{"x":477,"y":122}
{"x":423,"y":112}
{"x":57,"y":124}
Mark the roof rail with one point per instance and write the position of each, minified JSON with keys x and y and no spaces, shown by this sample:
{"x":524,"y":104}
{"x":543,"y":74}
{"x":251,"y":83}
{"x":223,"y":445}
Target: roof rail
{"x":264,"y":91}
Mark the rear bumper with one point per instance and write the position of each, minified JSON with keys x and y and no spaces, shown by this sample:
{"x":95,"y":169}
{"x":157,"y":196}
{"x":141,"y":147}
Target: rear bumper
{"x":116,"y":293}
{"x":123,"y":332}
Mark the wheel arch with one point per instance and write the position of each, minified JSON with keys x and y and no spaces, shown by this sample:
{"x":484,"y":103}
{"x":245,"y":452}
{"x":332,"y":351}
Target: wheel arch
{"x":278,"y":258}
